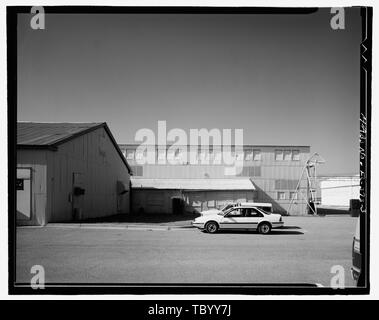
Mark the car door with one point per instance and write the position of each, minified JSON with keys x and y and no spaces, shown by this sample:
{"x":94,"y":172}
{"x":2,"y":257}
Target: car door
{"x":253,"y":217}
{"x":233,"y":219}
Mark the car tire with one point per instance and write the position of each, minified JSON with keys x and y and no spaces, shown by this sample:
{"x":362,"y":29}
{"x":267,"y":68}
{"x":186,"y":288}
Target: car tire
{"x":211,"y":227}
{"x":264,"y":228}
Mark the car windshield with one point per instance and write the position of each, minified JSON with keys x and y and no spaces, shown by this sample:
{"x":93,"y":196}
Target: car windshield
{"x":227,"y":207}
{"x":223,"y":213}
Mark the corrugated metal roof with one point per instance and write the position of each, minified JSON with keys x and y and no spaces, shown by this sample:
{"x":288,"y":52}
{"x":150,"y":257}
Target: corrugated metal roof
{"x":34,"y":135}
{"x":193,"y":184}
{"x":48,"y":134}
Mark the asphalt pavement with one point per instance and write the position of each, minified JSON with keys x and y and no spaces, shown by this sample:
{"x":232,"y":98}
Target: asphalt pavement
{"x":304,"y":251}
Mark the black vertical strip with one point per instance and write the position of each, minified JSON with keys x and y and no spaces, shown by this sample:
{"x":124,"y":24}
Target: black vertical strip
{"x":365,"y":143}
{"x":12,"y":123}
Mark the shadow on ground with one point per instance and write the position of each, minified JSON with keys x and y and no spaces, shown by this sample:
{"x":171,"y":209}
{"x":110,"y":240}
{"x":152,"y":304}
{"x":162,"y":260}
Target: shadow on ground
{"x":183,"y":219}
{"x":272,"y":233}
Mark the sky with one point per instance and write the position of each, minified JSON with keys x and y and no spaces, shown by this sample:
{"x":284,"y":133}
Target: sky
{"x":283,"y":79}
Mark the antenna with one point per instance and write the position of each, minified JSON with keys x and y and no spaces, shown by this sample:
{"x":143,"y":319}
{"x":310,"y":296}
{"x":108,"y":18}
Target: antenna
{"x":309,"y":190}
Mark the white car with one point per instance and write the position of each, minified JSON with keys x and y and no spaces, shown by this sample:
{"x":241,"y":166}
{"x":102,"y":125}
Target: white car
{"x":240,"y":218}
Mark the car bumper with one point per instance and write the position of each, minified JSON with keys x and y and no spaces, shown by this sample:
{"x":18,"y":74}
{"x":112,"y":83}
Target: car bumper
{"x":198,"y":225}
{"x":276,"y":225}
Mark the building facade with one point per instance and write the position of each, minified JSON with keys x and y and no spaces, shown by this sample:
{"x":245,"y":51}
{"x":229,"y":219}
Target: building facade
{"x":69,"y":171}
{"x":337,"y":191}
{"x":269,"y":174}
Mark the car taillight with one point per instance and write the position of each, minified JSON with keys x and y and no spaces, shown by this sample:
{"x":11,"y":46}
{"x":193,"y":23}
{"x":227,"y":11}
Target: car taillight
{"x":280,"y":219}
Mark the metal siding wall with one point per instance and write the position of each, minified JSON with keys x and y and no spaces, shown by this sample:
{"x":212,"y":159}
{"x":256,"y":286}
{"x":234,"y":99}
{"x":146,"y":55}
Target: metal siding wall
{"x":101,"y":166}
{"x":271,"y":170}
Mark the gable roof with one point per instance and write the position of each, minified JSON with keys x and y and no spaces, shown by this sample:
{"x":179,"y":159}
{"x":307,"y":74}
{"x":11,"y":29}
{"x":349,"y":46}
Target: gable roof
{"x":49,"y":135}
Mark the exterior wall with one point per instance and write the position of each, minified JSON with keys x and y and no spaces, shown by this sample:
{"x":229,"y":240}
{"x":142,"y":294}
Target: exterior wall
{"x":95,"y":158}
{"x":37,"y":161}
{"x":270,"y":176}
{"x":160,"y":201}
{"x":338,"y":191}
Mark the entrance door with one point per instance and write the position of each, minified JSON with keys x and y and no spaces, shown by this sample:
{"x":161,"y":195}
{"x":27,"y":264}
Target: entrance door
{"x":78,"y":196}
{"x":233,"y":220}
{"x":24,"y":193}
{"x":177,"y":205}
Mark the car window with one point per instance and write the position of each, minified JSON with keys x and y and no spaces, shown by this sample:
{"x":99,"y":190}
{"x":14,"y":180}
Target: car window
{"x":254,"y":213}
{"x":235,"y":213}
{"x":247,"y":212}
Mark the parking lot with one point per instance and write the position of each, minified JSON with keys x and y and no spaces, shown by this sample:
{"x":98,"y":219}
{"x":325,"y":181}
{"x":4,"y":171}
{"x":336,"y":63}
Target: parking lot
{"x":302,"y":252}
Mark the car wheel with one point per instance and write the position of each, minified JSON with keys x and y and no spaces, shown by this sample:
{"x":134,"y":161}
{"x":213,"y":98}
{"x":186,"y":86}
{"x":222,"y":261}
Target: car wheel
{"x":211,"y":227}
{"x":264,"y":228}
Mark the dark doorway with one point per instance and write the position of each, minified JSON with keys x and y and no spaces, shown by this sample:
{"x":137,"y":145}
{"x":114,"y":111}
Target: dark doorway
{"x":177,"y":206}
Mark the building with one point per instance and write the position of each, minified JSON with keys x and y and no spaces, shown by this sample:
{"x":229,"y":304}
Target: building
{"x":69,"y":171}
{"x":269,"y":174}
{"x":337,"y":191}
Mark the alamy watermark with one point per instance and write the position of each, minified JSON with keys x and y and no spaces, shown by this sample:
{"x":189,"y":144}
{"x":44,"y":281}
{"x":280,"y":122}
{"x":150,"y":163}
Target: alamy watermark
{"x":337,"y":22}
{"x":38,"y":19}
{"x":38,"y":279}
{"x":202,"y":146}
{"x":338,"y":279}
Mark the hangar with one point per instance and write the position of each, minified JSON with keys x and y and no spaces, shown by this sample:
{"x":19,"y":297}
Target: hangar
{"x":69,"y":171}
{"x":271,"y":174}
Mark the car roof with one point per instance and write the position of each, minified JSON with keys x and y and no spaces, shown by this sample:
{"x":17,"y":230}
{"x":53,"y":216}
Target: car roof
{"x":255,"y":204}
{"x":246,"y":207}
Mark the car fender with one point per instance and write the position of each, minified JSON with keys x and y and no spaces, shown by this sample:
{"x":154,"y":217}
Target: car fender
{"x":263,"y":221}
{"x":211,"y":220}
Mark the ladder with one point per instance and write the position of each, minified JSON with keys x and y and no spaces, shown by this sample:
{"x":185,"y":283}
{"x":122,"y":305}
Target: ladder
{"x":308,"y":192}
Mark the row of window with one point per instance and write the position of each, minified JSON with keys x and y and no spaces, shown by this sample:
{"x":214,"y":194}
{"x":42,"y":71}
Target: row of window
{"x":282,"y":195}
{"x":248,"y":155}
{"x":287,"y":155}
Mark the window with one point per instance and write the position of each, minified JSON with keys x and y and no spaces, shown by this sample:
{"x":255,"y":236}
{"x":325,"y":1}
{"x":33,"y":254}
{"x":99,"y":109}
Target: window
{"x":295,"y":155}
{"x":235,"y":213}
{"x":249,"y":155}
{"x":257,"y":155}
{"x":281,"y":195}
{"x":19,"y":184}
{"x":251,"y":212}
{"x":293,"y":195}
{"x":203,"y":156}
{"x":139,"y":155}
{"x":287,"y":155}
{"x":239,"y":155}
{"x":161,"y":155}
{"x":130,"y":154}
{"x":278,"y":155}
